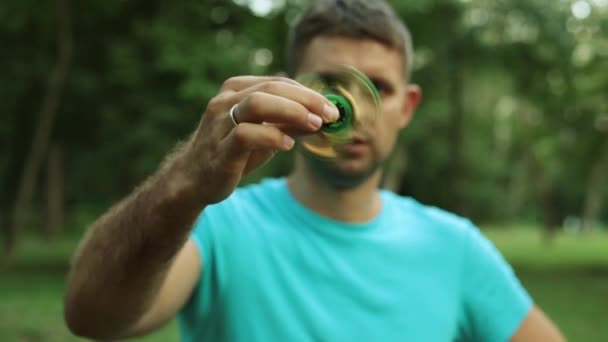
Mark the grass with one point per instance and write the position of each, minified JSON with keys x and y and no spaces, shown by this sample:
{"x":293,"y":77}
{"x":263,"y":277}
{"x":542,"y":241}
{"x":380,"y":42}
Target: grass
{"x":31,"y":294}
{"x":568,"y":279}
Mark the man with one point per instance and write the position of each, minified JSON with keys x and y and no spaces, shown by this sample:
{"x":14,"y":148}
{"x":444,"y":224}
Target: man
{"x":321,"y":255}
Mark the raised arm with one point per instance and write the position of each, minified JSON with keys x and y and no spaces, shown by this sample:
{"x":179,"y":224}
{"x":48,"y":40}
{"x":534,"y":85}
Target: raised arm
{"x":123,"y":260}
{"x":134,"y":269}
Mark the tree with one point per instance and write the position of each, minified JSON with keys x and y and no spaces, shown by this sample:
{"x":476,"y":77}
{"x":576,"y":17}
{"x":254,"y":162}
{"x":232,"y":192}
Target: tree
{"x":48,"y":111}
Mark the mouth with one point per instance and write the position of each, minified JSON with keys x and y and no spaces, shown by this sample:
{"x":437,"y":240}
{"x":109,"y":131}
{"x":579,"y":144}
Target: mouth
{"x":358,"y":139}
{"x":358,"y":145}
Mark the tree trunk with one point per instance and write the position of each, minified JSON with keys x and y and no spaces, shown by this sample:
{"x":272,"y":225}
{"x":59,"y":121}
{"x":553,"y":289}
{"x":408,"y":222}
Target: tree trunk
{"x":545,"y":194}
{"x":54,"y":194}
{"x":48,"y":111}
{"x":595,"y":191}
{"x":455,"y":137}
{"x":517,"y":194}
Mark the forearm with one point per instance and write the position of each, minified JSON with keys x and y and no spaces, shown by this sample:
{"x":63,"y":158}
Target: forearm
{"x":121,"y":263}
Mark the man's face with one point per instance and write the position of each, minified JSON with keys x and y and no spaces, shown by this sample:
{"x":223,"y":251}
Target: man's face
{"x":384,"y":66}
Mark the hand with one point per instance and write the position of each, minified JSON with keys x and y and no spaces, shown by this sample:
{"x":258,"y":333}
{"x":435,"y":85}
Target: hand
{"x":269,"y":112}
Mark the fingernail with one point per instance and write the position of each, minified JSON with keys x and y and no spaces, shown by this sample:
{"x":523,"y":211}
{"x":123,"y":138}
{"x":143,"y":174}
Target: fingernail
{"x":330,"y":113}
{"x":288,"y":142}
{"x":314,"y":121}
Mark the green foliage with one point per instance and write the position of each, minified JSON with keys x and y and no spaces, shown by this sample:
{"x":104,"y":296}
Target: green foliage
{"x":514,"y":95}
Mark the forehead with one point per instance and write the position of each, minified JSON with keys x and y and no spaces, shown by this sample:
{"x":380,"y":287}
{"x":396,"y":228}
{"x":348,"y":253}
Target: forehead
{"x":373,"y":58}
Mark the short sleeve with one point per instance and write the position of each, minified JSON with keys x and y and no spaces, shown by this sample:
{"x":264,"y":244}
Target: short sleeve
{"x":202,"y":305}
{"x":204,"y":237}
{"x":495,"y":302}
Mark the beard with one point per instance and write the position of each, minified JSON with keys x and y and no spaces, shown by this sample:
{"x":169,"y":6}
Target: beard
{"x":333,"y":173}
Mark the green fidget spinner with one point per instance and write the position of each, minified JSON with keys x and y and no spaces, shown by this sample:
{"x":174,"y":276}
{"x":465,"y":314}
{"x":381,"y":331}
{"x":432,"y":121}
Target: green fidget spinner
{"x":355,"y":97}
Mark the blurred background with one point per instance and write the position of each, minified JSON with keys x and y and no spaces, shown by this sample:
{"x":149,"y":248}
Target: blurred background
{"x":512,"y":132}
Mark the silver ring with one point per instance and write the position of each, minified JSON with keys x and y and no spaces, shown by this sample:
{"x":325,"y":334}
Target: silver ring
{"x":231,"y":114}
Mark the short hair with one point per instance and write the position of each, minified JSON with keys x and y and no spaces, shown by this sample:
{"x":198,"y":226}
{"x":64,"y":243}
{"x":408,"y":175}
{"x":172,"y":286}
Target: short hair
{"x":372,"y":19}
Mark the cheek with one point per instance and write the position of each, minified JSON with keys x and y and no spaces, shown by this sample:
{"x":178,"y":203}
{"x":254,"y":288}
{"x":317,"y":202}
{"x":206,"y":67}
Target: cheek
{"x":388,"y":126}
{"x":384,"y":140}
{"x":393,"y":110}
{"x":391,"y":119}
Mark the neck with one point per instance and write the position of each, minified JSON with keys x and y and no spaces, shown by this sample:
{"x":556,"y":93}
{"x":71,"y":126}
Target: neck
{"x":358,"y":204}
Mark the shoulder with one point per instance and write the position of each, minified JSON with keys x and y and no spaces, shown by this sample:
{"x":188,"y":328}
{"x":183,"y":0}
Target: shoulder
{"x":241,"y":212}
{"x":251,"y":196}
{"x":457,"y":232}
{"x":246,"y":205}
{"x":268,"y":188}
{"x":430,"y":217}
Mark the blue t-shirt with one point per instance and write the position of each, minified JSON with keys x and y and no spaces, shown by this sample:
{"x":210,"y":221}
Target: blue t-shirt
{"x":274,"y":270}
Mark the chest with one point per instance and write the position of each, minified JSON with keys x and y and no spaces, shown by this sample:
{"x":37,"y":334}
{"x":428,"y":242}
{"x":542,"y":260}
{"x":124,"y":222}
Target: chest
{"x":304,"y":285}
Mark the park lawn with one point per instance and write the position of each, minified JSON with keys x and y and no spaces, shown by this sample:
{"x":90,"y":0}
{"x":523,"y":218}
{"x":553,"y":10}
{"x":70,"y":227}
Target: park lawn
{"x":31,"y":294}
{"x":568,"y":279}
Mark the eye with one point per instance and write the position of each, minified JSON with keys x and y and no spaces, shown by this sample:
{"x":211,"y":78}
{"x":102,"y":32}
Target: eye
{"x":379,"y":86}
{"x":382,"y":86}
{"x":328,"y":78}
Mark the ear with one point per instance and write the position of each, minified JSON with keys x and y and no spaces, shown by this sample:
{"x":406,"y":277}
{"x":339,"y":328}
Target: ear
{"x":413,"y":96}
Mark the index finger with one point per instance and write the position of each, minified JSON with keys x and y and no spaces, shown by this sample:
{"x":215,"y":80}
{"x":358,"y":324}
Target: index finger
{"x":313,"y":101}
{"x":239,"y":83}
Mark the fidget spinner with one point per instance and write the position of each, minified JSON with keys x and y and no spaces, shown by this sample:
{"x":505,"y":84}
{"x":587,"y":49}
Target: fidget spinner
{"x":355,"y":97}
